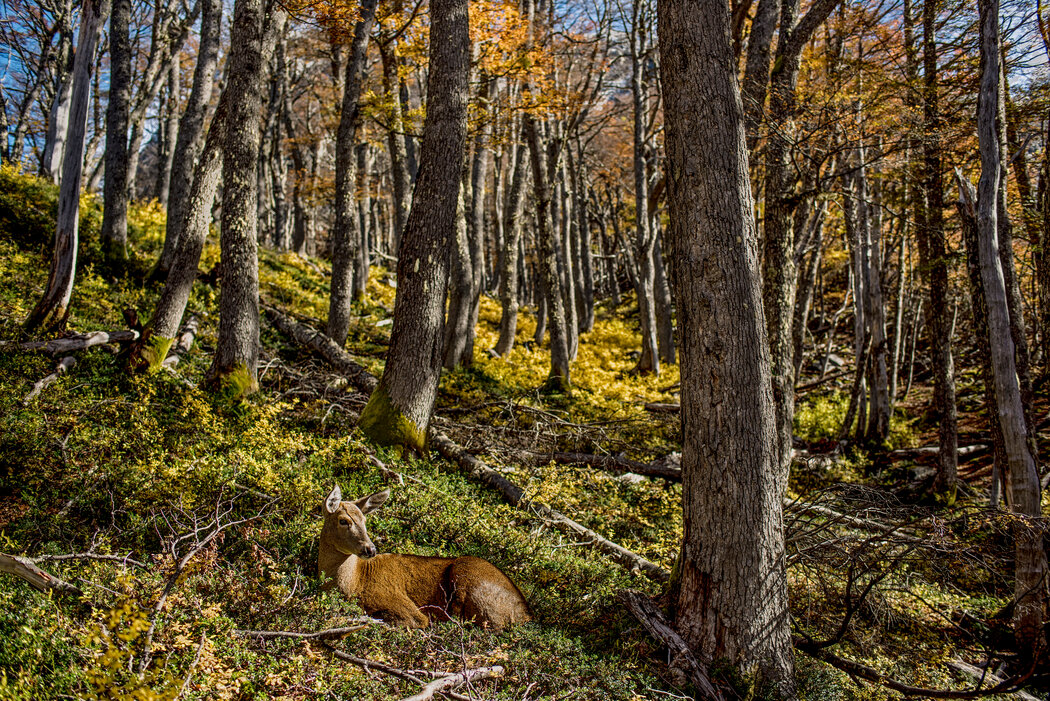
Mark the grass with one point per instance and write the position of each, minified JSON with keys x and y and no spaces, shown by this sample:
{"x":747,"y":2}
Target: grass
{"x":114,"y":464}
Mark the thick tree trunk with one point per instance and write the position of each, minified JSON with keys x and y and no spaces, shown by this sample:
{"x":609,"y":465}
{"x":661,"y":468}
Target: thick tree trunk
{"x":233,"y":369}
{"x":1030,"y":583}
{"x":729,"y":589}
{"x":53,"y":308}
{"x":398,"y":412}
{"x":346,"y":232}
{"x":191,"y":130}
{"x":115,"y":195}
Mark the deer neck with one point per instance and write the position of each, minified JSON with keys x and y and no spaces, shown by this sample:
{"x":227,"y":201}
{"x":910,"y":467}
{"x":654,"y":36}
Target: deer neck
{"x":344,"y":569}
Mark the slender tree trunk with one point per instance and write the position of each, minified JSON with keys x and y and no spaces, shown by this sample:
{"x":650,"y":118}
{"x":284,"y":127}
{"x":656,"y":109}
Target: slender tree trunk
{"x":756,"y":70}
{"x":933,"y":262}
{"x":664,"y":317}
{"x":459,"y":289}
{"x":729,"y":589}
{"x":191,"y":129}
{"x":171,"y":130}
{"x":1030,"y":583}
{"x":53,"y":308}
{"x":233,"y":369}
{"x":398,"y":412}
{"x":362,"y":257}
{"x":58,"y":119}
{"x":345,"y":232}
{"x":396,"y":140}
{"x":115,"y":195}
{"x":508,"y":284}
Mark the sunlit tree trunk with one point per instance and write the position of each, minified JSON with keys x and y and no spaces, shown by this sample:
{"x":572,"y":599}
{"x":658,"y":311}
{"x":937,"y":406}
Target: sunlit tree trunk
{"x":508,"y":284}
{"x":398,"y":412}
{"x":115,"y":195}
{"x":53,"y":308}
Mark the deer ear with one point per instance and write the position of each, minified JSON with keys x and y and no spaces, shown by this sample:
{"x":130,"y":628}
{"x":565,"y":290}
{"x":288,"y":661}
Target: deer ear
{"x":334,"y":499}
{"x":373,"y":501}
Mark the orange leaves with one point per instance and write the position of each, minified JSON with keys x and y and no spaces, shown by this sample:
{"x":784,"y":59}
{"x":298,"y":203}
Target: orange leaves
{"x":336,"y":17}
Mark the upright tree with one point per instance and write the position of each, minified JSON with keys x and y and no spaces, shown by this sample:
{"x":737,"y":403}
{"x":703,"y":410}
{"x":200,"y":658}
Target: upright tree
{"x":115,"y":195}
{"x":398,"y":412}
{"x":729,"y":591}
{"x":53,"y":308}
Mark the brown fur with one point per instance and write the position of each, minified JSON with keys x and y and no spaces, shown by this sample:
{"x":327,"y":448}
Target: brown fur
{"x":410,"y":590}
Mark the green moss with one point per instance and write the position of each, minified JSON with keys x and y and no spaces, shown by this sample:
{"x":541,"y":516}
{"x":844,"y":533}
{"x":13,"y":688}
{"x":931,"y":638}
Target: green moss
{"x":149,"y":355}
{"x":385,"y":424}
{"x":234,"y":384}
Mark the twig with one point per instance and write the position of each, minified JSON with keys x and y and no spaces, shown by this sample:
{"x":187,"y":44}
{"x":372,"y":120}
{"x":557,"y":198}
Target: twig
{"x":193,"y":666}
{"x":122,"y":559}
{"x":367,"y":664}
{"x":328,"y":634}
{"x":453,"y":680}
{"x":64,"y":366}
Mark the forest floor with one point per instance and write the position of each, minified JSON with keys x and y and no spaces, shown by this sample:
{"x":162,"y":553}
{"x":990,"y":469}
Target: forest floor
{"x":131,"y":474}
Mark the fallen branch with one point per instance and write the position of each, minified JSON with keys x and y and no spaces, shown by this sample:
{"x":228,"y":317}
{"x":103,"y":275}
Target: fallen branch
{"x":982,"y":675}
{"x":24,"y":568}
{"x":367,"y":665}
{"x":803,"y":388}
{"x":454,"y":680}
{"x":324,"y":346}
{"x":682,"y":658}
{"x":861,"y":524}
{"x":662,"y":408}
{"x":64,"y":366}
{"x":668,"y":468}
{"x":122,"y":559}
{"x":183,"y":343}
{"x":858,"y":670}
{"x":329,"y":634}
{"x":906,"y":453}
{"x":77,"y":342}
{"x":516,"y":496}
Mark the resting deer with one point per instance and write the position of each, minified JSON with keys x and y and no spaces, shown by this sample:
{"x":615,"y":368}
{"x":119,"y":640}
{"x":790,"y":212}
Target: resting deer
{"x":409,"y":590}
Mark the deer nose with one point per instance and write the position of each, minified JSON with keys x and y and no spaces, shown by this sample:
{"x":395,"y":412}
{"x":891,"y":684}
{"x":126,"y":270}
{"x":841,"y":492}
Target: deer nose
{"x":369,"y":550}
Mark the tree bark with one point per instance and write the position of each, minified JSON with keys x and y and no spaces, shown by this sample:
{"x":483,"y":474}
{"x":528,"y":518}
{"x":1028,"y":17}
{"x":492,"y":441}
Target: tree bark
{"x":191,"y":130}
{"x":398,"y":412}
{"x":729,"y":590}
{"x":1030,"y":583}
{"x":346,"y":231}
{"x":508,"y":282}
{"x":116,"y":192}
{"x":53,"y":308}
{"x":233,"y":369}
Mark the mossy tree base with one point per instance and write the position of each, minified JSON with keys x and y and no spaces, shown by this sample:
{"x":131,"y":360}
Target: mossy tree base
{"x":148,"y":354}
{"x":233,"y":384}
{"x":385,"y":424}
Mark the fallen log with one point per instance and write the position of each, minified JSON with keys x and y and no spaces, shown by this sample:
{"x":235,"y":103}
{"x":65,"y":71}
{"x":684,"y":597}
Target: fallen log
{"x":64,"y":366}
{"x":662,"y":408}
{"x":932,"y":450}
{"x":369,"y":665}
{"x":24,"y":568}
{"x":77,"y":342}
{"x":682,"y":658}
{"x":983,"y":675}
{"x":324,"y":346}
{"x":515,"y":495}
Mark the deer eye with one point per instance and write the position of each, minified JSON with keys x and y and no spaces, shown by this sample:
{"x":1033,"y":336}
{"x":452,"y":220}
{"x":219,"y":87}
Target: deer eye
{"x":344,"y":522}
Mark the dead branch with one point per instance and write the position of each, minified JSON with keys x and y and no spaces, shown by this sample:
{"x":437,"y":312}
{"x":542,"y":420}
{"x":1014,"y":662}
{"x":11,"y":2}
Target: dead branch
{"x":981,"y":675}
{"x":454,"y":680}
{"x":808,"y":386}
{"x":323,"y":346}
{"x":861,"y":524}
{"x":193,"y":666}
{"x":76,"y":342}
{"x":662,"y":408}
{"x":514,"y":494}
{"x":668,"y":467}
{"x":183,"y":342}
{"x":329,"y":634}
{"x":906,"y":453}
{"x":682,"y":658}
{"x":24,"y":568}
{"x":64,"y":366}
{"x":122,"y":559}
{"x":367,"y":665}
{"x":858,"y":670}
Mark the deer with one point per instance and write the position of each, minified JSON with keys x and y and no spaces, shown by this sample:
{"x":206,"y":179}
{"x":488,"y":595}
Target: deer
{"x":410,"y":590}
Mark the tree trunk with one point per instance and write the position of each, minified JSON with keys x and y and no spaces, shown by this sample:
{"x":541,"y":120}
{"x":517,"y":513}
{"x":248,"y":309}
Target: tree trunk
{"x":166,"y":154}
{"x":115,"y":195}
{"x":191,"y":129}
{"x":458,"y":316}
{"x":933,"y":262}
{"x":729,"y":589}
{"x":1030,"y":583}
{"x":233,"y":369}
{"x":396,"y":140}
{"x":508,"y":283}
{"x":58,"y":119}
{"x":345,"y":232}
{"x":664,"y":317}
{"x":756,"y":71}
{"x":398,"y":412}
{"x":365,"y":231}
{"x":53,"y":308}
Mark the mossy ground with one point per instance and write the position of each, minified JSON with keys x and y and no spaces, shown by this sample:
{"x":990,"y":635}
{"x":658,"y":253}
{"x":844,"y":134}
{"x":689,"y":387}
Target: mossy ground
{"x":107,"y":462}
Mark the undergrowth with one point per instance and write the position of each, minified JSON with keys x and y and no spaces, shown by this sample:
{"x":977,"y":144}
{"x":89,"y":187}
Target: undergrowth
{"x":144,"y":467}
